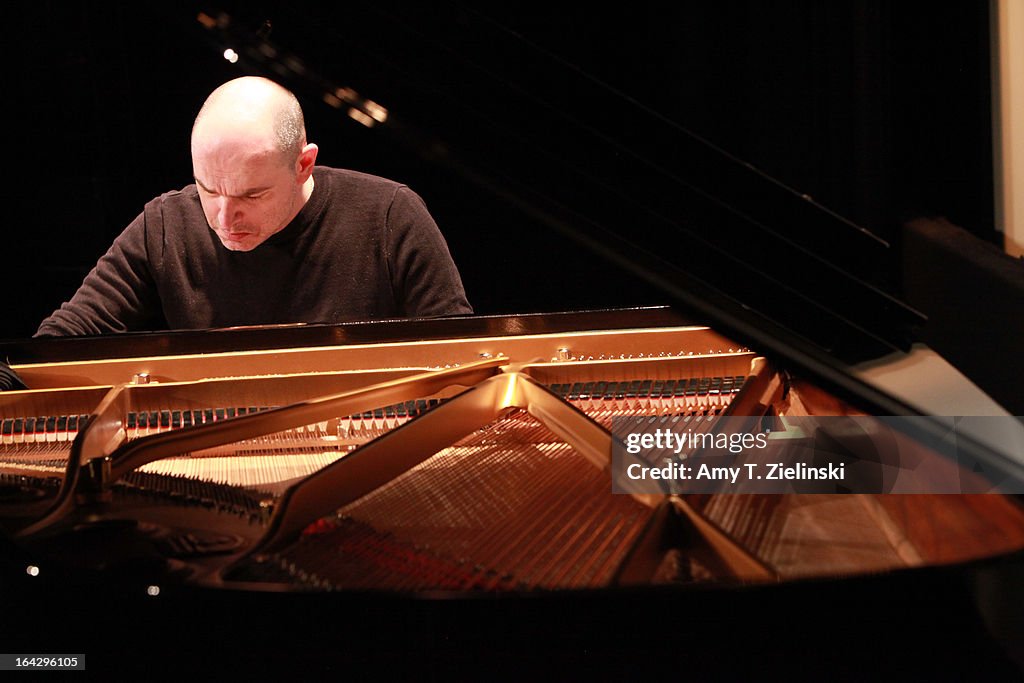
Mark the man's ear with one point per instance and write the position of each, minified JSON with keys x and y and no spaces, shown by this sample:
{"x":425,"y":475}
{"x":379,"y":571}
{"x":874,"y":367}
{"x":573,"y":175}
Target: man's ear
{"x":304,"y":164}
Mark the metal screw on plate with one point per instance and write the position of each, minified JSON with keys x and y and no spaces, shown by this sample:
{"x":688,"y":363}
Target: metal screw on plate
{"x":564,"y":354}
{"x":140,"y":378}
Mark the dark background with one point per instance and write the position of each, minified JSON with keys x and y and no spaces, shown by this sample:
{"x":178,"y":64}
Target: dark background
{"x":878,"y":110}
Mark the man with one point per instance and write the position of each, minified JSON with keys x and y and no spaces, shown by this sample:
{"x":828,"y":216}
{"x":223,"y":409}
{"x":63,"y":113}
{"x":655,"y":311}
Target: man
{"x":264,"y":236}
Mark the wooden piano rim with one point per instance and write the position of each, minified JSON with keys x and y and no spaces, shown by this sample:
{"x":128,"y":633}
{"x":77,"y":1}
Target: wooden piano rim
{"x":415,"y":354}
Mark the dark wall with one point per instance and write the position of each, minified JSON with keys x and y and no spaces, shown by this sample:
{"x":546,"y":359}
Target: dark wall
{"x":878,"y":110}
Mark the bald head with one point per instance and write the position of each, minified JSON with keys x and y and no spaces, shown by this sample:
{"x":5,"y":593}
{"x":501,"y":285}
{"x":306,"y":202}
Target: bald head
{"x":255,"y":112}
{"x":252,"y":165}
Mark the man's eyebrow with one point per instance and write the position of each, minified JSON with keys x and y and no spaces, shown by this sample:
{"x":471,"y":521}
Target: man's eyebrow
{"x":245,"y":193}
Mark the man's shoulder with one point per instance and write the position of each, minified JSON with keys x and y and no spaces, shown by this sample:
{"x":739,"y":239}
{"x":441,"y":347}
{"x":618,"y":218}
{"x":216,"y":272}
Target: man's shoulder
{"x":169,"y":211}
{"x":186,"y":196}
{"x":183,"y":201}
{"x":347,"y":178}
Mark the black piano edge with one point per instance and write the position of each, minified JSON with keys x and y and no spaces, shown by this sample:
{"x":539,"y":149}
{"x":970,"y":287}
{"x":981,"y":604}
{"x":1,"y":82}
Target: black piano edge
{"x":932,"y":623}
{"x":268,"y":337}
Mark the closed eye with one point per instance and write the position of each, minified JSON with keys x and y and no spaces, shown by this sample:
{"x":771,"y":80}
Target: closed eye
{"x":255,"y":193}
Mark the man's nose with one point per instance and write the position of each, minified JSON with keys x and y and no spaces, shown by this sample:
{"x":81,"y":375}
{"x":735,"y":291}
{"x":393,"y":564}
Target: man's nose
{"x":228,"y":211}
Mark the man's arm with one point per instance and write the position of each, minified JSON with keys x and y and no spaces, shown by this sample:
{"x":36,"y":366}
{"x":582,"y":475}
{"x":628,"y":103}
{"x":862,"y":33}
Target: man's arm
{"x":117,"y":296}
{"x":425,"y":280}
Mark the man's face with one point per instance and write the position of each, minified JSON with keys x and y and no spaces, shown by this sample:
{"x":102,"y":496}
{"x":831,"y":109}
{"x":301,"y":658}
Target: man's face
{"x":247,"y":196}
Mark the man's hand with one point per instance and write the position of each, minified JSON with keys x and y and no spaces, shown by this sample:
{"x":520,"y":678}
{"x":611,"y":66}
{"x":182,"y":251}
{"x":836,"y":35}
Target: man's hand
{"x":9,"y":379}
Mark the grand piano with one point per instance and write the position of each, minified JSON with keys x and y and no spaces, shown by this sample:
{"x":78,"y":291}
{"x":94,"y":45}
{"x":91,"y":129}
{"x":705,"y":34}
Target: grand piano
{"x":441,"y":490}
